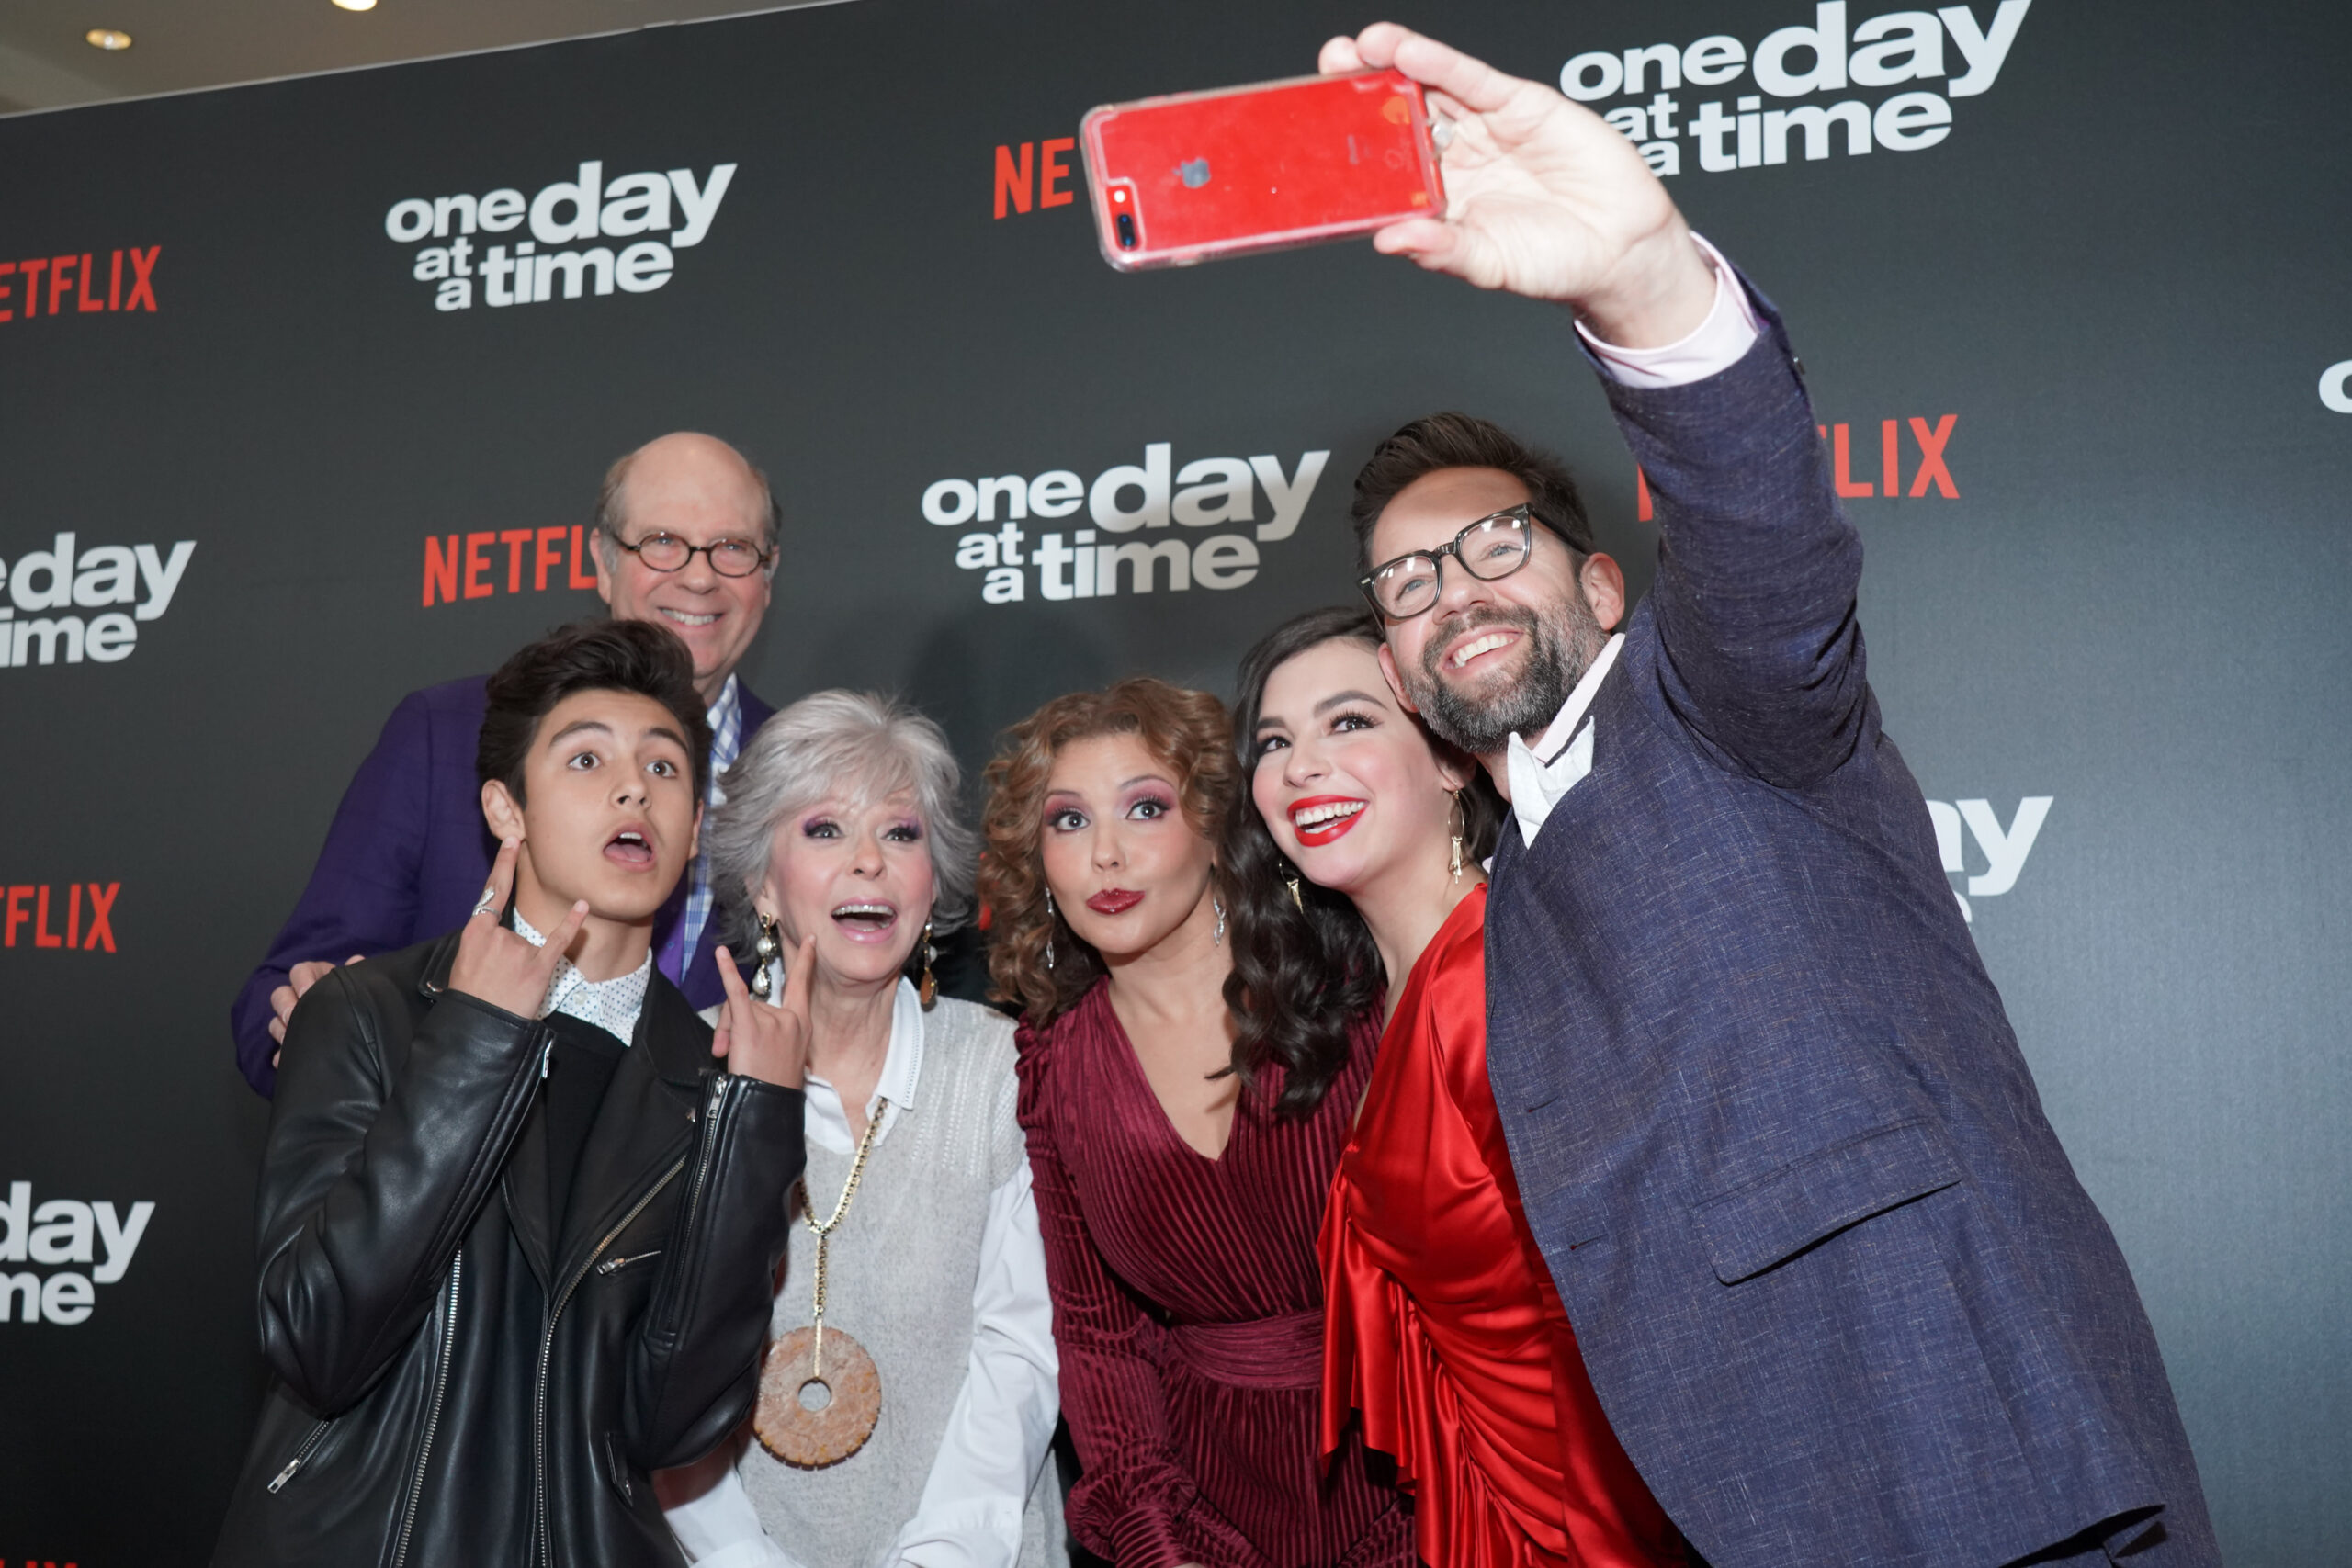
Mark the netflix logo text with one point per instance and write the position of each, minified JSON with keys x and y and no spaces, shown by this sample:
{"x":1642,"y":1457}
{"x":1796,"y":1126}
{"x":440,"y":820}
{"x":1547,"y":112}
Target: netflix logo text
{"x":77,"y":917}
{"x":468,"y":566}
{"x":1897,"y":457}
{"x":88,"y":284}
{"x":1036,"y":174}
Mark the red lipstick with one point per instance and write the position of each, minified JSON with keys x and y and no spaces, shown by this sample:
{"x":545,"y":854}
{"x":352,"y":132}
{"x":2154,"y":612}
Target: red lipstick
{"x":1114,"y":901}
{"x":1327,"y":825}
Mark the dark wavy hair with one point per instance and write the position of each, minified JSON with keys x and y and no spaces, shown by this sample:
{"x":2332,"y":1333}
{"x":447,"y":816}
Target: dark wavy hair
{"x":1184,"y":729}
{"x":1305,"y":970}
{"x":588,"y":655}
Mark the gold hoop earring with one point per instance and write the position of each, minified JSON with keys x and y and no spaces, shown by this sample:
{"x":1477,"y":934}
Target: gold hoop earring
{"x":927,"y":988}
{"x":769,"y":943}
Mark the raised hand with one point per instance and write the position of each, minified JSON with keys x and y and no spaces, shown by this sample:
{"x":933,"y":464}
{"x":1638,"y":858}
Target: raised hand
{"x":770,"y":1044}
{"x":499,"y":966}
{"x":1543,"y":198}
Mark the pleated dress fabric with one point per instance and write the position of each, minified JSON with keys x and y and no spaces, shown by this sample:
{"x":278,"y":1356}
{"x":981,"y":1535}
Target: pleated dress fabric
{"x":1444,"y":1328}
{"x":1188,"y":1313}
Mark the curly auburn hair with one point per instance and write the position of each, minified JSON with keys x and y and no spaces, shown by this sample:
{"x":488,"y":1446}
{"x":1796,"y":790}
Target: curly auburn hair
{"x":1186,"y":731}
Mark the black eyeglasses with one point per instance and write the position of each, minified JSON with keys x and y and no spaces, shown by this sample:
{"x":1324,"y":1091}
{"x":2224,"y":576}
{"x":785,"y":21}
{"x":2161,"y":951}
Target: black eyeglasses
{"x":667,"y":552}
{"x":1491,"y":547}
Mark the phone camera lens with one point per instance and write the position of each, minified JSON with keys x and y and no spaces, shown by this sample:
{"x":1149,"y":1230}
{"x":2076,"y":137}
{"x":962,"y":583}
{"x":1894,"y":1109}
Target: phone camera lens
{"x":1126,"y":231}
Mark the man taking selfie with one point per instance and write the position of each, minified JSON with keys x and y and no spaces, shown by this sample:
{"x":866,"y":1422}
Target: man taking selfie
{"x":1835,"y":1280}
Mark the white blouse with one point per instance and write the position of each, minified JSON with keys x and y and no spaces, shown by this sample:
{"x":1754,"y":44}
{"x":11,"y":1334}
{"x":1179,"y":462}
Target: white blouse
{"x":1002,"y":1428}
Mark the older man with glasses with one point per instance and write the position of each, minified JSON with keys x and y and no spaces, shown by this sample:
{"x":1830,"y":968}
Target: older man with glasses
{"x":686,"y":539}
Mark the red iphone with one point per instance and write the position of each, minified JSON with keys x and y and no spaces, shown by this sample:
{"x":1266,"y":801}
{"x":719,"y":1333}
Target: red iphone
{"x":1238,"y":170}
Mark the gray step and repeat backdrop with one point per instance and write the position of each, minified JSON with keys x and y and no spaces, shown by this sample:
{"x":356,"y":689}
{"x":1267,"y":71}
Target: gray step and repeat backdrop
{"x":305,"y":388}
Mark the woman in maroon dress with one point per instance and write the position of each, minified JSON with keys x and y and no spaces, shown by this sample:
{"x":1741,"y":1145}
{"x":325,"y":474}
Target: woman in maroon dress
{"x":1445,"y":1330}
{"x":1180,"y":1205}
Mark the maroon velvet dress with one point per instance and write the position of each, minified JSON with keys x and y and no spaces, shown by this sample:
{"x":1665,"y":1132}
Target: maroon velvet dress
{"x":1188,"y":1309}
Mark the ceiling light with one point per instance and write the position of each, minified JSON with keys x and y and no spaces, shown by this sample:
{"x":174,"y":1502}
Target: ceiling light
{"x":111,"y":38}
{"x":357,"y":4}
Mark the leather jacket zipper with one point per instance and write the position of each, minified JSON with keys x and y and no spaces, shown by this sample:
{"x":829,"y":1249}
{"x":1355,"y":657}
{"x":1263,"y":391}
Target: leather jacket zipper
{"x":545,"y":1551}
{"x":615,"y":1265}
{"x":433,"y":1416}
{"x":302,"y":1456}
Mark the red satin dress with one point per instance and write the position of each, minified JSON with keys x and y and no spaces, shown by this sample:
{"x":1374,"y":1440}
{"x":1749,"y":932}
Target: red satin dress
{"x":1443,"y":1326}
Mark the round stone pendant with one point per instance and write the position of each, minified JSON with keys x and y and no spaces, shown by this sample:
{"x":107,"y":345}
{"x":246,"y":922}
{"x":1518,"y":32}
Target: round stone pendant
{"x":809,"y":1421}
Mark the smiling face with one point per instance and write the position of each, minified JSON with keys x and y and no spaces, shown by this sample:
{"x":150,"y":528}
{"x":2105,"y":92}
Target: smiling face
{"x":609,"y":812}
{"x":1491,"y":659}
{"x":857,"y":874}
{"x":1348,"y":784}
{"x":698,"y":489}
{"x":1125,"y":867}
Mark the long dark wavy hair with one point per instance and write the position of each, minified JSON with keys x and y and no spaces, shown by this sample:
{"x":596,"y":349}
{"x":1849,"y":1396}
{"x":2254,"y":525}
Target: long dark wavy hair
{"x":1305,"y":970}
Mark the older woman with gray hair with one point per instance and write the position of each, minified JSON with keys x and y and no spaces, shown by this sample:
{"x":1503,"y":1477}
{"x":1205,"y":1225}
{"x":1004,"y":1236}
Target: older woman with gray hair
{"x":908,"y":1397}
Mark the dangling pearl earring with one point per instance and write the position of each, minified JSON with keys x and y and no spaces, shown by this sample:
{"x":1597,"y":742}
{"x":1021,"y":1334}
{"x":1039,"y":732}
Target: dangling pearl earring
{"x":1050,"y":918}
{"x":1460,"y":820}
{"x":765,"y":949}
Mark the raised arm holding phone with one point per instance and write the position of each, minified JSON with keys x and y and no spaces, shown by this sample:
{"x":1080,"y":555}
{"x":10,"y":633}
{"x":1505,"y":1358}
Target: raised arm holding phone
{"x":1836,"y":1287}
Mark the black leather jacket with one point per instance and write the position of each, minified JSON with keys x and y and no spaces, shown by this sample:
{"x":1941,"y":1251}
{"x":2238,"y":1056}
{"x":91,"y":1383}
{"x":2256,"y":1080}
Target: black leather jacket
{"x":455,"y":1386}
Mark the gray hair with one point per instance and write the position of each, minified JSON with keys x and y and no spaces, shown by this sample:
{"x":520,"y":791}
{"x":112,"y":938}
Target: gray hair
{"x":858,"y":745}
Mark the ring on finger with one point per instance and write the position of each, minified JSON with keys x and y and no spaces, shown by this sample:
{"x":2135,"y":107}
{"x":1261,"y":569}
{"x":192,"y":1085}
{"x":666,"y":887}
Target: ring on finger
{"x":489,"y":903}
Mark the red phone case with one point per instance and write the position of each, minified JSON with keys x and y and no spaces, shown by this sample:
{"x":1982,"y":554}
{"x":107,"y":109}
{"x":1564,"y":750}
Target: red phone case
{"x":1238,"y":170}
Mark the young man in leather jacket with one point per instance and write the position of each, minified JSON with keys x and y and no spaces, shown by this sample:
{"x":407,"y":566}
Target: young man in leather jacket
{"x":518,"y":1227}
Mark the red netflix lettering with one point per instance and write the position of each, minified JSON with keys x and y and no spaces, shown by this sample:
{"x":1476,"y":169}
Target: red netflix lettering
{"x":142,"y":282}
{"x":30,"y":904}
{"x":7,"y":313}
{"x":478,"y":563}
{"x":1933,"y":472}
{"x":32,"y":270}
{"x":1053,"y":170}
{"x":114,"y":283}
{"x":580,"y":579}
{"x":1642,"y":511}
{"x":545,"y":559}
{"x":82,"y":301}
{"x":1014,"y":182}
{"x":1932,"y":457}
{"x":441,"y":568}
{"x":57,"y":279}
{"x":514,"y":539}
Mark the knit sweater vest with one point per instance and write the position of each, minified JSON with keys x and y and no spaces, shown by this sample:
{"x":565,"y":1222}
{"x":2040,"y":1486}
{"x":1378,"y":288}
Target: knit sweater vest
{"x":899,"y":1273}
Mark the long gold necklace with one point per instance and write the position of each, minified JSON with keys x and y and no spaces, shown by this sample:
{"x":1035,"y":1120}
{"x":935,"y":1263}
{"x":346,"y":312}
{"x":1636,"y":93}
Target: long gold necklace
{"x":805,"y":1418}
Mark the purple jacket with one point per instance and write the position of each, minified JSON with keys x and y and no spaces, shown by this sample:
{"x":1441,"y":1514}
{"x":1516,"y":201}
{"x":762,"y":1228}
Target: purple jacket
{"x":407,"y":856}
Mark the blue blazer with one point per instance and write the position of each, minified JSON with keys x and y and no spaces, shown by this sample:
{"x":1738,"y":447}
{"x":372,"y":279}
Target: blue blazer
{"x":1838,"y":1286}
{"x":407,"y":856}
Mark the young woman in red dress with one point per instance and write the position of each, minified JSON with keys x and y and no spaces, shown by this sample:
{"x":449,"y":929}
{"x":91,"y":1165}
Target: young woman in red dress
{"x":1179,"y":1205}
{"x":1444,"y":1329}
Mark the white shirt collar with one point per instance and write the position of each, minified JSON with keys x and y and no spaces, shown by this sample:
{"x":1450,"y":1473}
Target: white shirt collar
{"x":1542,"y":773}
{"x":827,"y":1124}
{"x":611,"y":1005}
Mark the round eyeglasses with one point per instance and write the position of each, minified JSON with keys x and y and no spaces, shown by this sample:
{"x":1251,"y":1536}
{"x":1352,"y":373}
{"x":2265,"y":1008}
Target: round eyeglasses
{"x":1493,"y":547}
{"x":667,"y":552}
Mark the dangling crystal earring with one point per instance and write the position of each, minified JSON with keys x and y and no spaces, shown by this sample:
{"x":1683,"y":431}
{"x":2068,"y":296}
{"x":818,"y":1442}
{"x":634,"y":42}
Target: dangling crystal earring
{"x":1460,"y":821}
{"x":927,"y":988}
{"x":1218,"y":936}
{"x":1290,"y":880}
{"x":1050,"y":918}
{"x":769,"y":945}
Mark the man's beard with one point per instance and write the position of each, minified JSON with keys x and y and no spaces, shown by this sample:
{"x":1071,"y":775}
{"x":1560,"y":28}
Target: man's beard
{"x":1561,"y":648}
